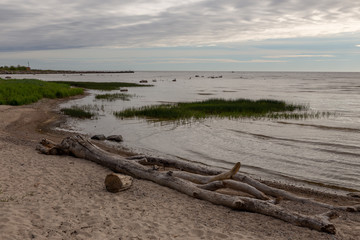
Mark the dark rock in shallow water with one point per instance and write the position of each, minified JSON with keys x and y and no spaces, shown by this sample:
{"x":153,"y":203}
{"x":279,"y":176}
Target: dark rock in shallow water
{"x":98,"y":137}
{"x":116,"y":138}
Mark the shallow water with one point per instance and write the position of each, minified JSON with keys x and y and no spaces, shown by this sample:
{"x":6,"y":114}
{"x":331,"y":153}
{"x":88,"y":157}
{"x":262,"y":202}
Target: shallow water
{"x":324,"y":151}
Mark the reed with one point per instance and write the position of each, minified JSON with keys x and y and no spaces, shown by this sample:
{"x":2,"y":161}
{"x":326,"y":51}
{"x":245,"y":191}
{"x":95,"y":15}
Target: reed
{"x":300,"y":115}
{"x":26,"y":91}
{"x":102,"y":85}
{"x":214,"y":108}
{"x":114,"y":96}
{"x":82,"y":111}
{"x":77,"y":112}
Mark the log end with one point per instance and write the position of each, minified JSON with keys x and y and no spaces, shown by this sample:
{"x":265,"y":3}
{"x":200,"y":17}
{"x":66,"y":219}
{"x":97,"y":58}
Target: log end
{"x":329,"y":228}
{"x":324,"y":220}
{"x":235,"y":169}
{"x":117,"y":182}
{"x":354,"y":194}
{"x":42,"y":149}
{"x":355,"y":208}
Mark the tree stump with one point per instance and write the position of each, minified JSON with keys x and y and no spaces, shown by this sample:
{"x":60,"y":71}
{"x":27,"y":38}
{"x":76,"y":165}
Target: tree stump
{"x":115,"y":182}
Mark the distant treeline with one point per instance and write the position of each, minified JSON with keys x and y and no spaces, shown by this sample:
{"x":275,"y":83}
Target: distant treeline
{"x":27,"y":70}
{"x":13,"y":68}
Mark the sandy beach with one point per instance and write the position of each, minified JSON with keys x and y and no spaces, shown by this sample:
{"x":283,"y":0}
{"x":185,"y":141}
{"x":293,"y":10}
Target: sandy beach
{"x":62,"y":197}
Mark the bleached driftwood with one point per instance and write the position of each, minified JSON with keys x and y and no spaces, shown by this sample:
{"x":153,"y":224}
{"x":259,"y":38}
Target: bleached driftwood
{"x":201,"y":182}
{"x":265,"y":189}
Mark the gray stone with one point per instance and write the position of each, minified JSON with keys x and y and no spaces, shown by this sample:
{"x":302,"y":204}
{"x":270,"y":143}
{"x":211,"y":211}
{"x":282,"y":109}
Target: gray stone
{"x":115,"y":138}
{"x":98,"y":137}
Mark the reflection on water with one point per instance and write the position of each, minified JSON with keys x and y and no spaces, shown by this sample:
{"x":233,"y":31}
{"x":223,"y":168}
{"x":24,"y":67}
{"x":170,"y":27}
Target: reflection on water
{"x":324,"y":151}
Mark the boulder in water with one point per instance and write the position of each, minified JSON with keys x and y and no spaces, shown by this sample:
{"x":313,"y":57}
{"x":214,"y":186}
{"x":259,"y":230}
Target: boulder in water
{"x":98,"y":137}
{"x":115,"y":138}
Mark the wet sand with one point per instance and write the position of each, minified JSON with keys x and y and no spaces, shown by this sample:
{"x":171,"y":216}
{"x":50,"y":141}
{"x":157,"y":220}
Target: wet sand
{"x":61,"y":197}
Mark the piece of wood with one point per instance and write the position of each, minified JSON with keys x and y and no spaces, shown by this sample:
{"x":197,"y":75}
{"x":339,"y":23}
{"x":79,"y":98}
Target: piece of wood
{"x":205,"y":190}
{"x":115,"y":182}
{"x":226,"y":175}
{"x":201,"y":179}
{"x":222,"y":182}
{"x":49,"y":150}
{"x":265,"y":189}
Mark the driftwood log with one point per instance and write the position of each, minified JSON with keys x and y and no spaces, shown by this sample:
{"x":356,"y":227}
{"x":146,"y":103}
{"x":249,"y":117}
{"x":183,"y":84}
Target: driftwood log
{"x":115,"y":182}
{"x":202,"y":182}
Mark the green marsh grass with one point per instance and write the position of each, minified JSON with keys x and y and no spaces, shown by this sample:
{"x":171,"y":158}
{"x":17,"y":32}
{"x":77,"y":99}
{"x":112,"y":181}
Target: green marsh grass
{"x":84,"y":111}
{"x":238,"y":108}
{"x":26,"y":91}
{"x":299,"y":115}
{"x":77,"y":112}
{"x":114,"y":96}
{"x":102,"y":85}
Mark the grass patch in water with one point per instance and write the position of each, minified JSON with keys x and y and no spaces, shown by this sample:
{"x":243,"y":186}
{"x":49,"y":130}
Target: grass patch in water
{"x":299,"y":115}
{"x":77,"y":112}
{"x":84,"y":111}
{"x":26,"y":91}
{"x":114,"y":96}
{"x":102,"y":85}
{"x":238,"y":108}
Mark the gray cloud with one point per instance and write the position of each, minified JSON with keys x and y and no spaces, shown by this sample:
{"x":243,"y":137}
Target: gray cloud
{"x":30,"y":25}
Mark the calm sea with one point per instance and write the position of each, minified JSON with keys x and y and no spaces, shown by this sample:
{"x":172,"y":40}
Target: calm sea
{"x":320,"y":152}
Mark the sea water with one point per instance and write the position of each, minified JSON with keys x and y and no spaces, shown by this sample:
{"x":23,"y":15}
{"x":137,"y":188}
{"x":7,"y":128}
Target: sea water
{"x":321,"y":151}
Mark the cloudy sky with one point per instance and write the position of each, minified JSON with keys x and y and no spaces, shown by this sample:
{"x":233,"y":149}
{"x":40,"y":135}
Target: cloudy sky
{"x":234,"y":35}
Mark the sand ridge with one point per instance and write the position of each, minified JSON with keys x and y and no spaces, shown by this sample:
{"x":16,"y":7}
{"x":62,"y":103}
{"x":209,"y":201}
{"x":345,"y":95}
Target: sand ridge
{"x":61,"y":197}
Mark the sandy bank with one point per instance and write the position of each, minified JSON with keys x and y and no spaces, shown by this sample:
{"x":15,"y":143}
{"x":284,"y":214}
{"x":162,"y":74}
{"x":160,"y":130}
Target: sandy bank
{"x":61,"y":197}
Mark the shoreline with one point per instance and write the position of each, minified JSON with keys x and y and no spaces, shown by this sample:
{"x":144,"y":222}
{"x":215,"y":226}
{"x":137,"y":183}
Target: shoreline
{"x":36,"y":71}
{"x":54,"y":197}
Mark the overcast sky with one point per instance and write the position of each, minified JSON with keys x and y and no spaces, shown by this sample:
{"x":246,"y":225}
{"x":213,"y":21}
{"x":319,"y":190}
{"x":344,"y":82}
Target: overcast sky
{"x":234,"y":35}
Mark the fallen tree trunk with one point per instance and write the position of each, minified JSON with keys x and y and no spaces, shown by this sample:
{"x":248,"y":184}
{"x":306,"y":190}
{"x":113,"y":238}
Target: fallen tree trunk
{"x":194,"y":184}
{"x":265,"y":189}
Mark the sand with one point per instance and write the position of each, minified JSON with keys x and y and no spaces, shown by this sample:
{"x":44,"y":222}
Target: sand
{"x":61,"y":197}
